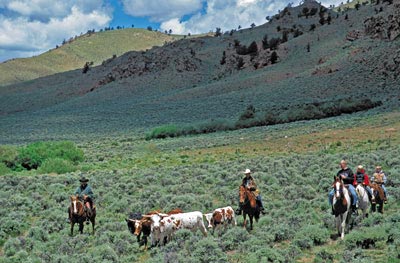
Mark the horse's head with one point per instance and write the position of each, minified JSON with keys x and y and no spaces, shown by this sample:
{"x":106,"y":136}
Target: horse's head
{"x":338,"y":187}
{"x":242,"y":195}
{"x":76,"y":205}
{"x":246,"y":196}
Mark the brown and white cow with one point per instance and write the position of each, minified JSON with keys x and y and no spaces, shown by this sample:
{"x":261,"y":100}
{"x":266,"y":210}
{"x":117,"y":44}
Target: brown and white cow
{"x":144,"y":225}
{"x":164,"y":226}
{"x":221,"y":217}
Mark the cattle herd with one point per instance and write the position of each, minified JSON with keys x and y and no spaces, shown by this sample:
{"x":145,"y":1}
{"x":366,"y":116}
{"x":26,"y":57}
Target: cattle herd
{"x":161,"y":227}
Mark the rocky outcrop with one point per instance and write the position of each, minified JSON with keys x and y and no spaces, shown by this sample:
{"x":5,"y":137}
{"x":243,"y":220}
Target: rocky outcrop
{"x":176,"y":57}
{"x":384,"y":27}
{"x":392,"y":64}
{"x":354,"y":35}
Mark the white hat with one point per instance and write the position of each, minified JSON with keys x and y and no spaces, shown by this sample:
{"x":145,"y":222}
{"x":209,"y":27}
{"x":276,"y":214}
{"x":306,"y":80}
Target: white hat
{"x":360,"y":167}
{"x":247,"y":171}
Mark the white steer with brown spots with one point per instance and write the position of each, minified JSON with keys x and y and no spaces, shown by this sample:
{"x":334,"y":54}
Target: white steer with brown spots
{"x":164,"y":226}
{"x":192,"y":221}
{"x":221,"y":217}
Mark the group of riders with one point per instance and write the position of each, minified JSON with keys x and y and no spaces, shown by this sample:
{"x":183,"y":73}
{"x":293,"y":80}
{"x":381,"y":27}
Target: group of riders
{"x":85,"y":193}
{"x":351,"y":180}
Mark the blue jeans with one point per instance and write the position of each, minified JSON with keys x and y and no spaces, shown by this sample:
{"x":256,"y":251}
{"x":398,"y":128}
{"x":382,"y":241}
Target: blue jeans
{"x":384,"y":189}
{"x":352,"y":191}
{"x":369,"y":191}
{"x":258,"y":198}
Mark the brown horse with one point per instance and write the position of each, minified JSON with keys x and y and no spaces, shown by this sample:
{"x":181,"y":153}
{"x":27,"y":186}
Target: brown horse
{"x":249,"y":206}
{"x":78,"y":213}
{"x":379,"y":194}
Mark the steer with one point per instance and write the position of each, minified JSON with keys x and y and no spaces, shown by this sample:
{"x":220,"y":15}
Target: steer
{"x":151,"y":224}
{"x":192,"y":221}
{"x":163,"y":226}
{"x":221,"y":217}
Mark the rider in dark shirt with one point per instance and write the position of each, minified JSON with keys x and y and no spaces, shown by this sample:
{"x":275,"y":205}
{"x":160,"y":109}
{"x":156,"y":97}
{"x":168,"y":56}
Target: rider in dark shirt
{"x":249,"y":183}
{"x":347,"y":175}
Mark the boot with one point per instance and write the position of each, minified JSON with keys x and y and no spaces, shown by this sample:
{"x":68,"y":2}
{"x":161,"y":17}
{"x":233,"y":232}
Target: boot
{"x":385,"y":199}
{"x":262,"y":210}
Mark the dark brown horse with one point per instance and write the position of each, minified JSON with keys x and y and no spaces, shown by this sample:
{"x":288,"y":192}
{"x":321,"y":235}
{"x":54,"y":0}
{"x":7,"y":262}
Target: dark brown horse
{"x":379,"y":194}
{"x":249,"y":206}
{"x":79,"y":214}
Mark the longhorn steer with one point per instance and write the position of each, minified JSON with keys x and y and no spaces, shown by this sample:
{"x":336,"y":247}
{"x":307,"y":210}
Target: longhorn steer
{"x":221,"y":217}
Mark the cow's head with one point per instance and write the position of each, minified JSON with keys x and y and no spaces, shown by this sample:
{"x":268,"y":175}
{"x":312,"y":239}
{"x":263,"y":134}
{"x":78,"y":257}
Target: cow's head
{"x":138,"y":227}
{"x":155,"y":222}
{"x":131,"y":225}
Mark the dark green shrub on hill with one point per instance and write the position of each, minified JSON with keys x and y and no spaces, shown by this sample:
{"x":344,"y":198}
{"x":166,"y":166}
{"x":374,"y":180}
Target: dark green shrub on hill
{"x":316,"y":234}
{"x":4,"y":169}
{"x":365,"y":238}
{"x":265,"y":43}
{"x":34,"y":155}
{"x":57,"y":165}
{"x":324,"y":256}
{"x":274,"y":57}
{"x":274,"y":43}
{"x":249,"y":113}
{"x":8,"y":156}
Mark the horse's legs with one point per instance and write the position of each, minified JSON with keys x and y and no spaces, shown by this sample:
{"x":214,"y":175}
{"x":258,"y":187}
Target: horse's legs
{"x":93,"y":220}
{"x":244,"y":220}
{"x":251,"y":222}
{"x":81,"y":227}
{"x":145,"y":242}
{"x":343,"y":225}
{"x":380,"y":207}
{"x":72,"y":227}
{"x":337,"y":224}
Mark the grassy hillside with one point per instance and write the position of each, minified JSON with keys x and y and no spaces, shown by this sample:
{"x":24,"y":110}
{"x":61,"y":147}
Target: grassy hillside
{"x":95,"y":47}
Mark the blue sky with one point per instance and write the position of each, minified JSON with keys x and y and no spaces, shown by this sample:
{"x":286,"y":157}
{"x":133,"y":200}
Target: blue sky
{"x":31,"y":27}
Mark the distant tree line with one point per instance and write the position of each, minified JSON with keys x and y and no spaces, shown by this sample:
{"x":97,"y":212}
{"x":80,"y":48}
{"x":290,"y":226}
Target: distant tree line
{"x":251,"y":118}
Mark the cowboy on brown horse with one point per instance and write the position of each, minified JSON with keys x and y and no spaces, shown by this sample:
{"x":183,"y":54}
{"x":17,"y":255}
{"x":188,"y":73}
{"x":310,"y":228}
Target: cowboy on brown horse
{"x":85,"y":194}
{"x":380,"y":179}
{"x":248,"y":183}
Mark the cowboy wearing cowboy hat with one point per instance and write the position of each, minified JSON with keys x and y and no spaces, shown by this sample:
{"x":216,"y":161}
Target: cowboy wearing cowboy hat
{"x":249,"y":183}
{"x":84,"y":192}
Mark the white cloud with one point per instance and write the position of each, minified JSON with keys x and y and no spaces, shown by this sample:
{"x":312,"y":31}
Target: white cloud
{"x":161,"y":10}
{"x":227,"y":15}
{"x":333,"y":2}
{"x":174,"y":24}
{"x":27,"y":34}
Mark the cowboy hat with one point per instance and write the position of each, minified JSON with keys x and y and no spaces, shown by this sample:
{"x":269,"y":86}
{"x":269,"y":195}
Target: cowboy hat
{"x":247,"y":171}
{"x":360,"y":167}
{"x":83,"y":180}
